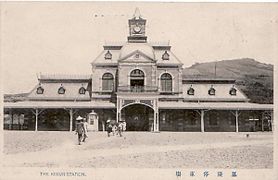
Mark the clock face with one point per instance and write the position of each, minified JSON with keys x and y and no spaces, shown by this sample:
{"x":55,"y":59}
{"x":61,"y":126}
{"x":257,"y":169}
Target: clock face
{"x":137,"y":29}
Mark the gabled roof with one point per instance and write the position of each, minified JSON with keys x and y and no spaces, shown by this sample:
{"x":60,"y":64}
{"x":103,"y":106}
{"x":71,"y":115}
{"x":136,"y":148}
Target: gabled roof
{"x":121,"y":51}
{"x":142,"y":57}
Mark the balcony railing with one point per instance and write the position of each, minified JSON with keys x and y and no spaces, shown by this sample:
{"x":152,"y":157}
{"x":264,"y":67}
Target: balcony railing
{"x":137,"y":89}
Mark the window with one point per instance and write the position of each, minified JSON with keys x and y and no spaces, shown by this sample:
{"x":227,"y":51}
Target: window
{"x":165,"y":56}
{"x":190,"y":91}
{"x":108,"y":55}
{"x":233,"y":91}
{"x":82,"y":90}
{"x":40,"y":89}
{"x":107,"y":82}
{"x":166,"y":82}
{"x":211,"y":91}
{"x":61,"y":90}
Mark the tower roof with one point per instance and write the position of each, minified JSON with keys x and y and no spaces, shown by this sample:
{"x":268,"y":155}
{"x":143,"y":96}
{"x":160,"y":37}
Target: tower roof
{"x":137,"y":14}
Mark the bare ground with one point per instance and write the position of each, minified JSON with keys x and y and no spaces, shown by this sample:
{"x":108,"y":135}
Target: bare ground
{"x":139,"y":150}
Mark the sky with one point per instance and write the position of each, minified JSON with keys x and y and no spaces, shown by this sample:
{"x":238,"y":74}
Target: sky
{"x":65,"y":37}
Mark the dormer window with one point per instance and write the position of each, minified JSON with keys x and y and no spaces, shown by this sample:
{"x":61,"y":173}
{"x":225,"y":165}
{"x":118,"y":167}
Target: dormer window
{"x":211,"y":91}
{"x":40,"y":89}
{"x":61,"y":90}
{"x":165,"y":56}
{"x":82,"y":90}
{"x":190,"y":91}
{"x":233,"y":91}
{"x":108,"y":55}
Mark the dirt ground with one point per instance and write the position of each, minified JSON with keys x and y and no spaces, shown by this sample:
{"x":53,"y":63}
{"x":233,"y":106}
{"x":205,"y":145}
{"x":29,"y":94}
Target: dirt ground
{"x":139,"y":150}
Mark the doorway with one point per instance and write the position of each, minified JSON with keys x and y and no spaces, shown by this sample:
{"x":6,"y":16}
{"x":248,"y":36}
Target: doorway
{"x":138,"y":117}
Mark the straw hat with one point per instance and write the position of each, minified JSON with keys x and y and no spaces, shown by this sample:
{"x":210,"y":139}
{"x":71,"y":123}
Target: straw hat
{"x":79,"y":118}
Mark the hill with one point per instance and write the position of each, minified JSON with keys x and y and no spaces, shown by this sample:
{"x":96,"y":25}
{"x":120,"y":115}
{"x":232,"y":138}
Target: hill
{"x":255,"y":79}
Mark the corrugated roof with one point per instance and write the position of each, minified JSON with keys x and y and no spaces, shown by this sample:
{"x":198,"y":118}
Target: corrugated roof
{"x":215,"y":105}
{"x":64,"y":76}
{"x":60,"y":104}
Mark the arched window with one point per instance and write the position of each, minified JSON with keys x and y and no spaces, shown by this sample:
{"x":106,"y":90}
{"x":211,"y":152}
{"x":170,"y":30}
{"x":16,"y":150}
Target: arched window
{"x":40,"y":89}
{"x":61,"y":90}
{"x":137,"y":73}
{"x":165,"y":56}
{"x":190,"y":91}
{"x":82,"y":90}
{"x":108,"y":55}
{"x":107,"y":82}
{"x":166,"y":82}
{"x":211,"y":91}
{"x":233,"y":91}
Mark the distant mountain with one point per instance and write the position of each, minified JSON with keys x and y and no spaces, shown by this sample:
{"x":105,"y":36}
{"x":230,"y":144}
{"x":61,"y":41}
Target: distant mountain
{"x":255,"y":79}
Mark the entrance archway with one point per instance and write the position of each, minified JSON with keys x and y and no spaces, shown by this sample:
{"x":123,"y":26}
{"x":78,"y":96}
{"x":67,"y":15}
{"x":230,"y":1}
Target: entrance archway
{"x":138,"y":117}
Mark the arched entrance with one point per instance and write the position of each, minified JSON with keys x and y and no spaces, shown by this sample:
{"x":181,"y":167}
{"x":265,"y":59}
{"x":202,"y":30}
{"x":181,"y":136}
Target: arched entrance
{"x":138,"y":117}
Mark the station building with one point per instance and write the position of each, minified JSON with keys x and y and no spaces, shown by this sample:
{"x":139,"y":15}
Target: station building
{"x":142,"y":83}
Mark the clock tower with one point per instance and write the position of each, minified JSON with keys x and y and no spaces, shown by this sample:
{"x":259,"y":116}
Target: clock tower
{"x":137,"y":28}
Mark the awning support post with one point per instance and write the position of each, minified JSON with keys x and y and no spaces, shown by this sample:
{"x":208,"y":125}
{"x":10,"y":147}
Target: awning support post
{"x":11,"y":115}
{"x":236,"y":114}
{"x":272,"y":121}
{"x":37,"y":113}
{"x":71,"y":117}
{"x":103,"y":126}
{"x":237,"y":120}
{"x":262,"y":122}
{"x":202,"y":120}
{"x":36,"y":123}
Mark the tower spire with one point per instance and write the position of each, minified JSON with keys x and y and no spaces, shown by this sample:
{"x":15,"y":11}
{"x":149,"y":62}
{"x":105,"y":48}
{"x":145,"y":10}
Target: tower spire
{"x":137,"y":14}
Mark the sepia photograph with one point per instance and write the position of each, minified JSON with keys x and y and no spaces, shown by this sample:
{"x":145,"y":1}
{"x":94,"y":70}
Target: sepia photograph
{"x":133,"y":90}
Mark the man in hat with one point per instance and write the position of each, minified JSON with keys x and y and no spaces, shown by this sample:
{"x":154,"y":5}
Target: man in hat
{"x":108,"y":127}
{"x":79,"y":129}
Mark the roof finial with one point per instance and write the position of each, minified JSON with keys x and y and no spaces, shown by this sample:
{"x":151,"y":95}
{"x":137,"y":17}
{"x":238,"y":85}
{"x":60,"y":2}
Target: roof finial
{"x":137,"y":14}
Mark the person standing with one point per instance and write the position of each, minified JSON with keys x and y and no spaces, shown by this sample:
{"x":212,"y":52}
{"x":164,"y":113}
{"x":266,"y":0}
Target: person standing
{"x":79,"y":129}
{"x":109,"y":127}
{"x":85,"y":124}
{"x":120,"y":128}
{"x":124,"y":125}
